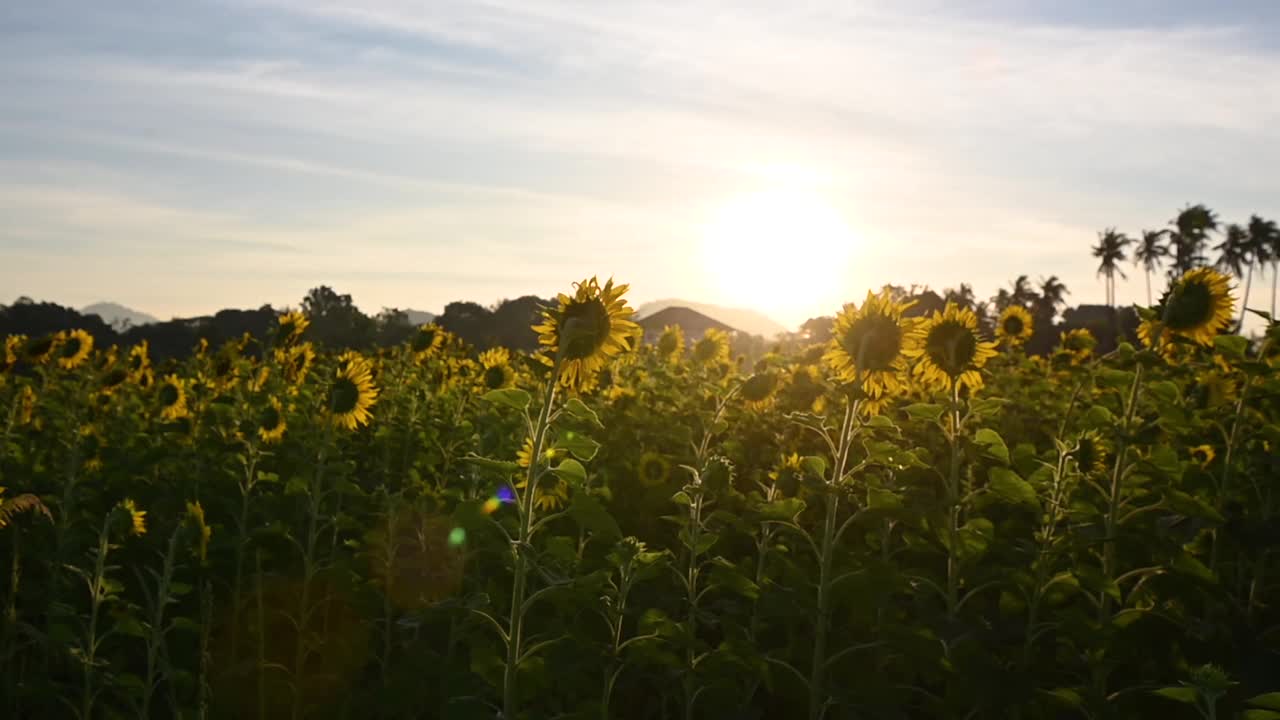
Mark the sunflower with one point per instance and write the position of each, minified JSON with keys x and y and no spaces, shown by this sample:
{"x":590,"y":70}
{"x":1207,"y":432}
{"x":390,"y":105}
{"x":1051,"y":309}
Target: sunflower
{"x":352,"y":392}
{"x":671,"y":342}
{"x":802,"y":390}
{"x":26,"y":405}
{"x":758,"y":389}
{"x":653,"y":469}
{"x":712,"y":348}
{"x":296,"y":362}
{"x":1091,"y":453}
{"x":585,"y":330}
{"x":497,"y":372}
{"x":1197,"y":307}
{"x":137,"y":518}
{"x":73,"y":347}
{"x":426,"y":341}
{"x":1015,"y":326}
{"x":1202,"y":455}
{"x":139,"y":360}
{"x":290,"y":327}
{"x":259,"y":379}
{"x":145,"y":379}
{"x":870,"y":345}
{"x":113,"y":379}
{"x":271,"y":424}
{"x":786,"y":473}
{"x":172,"y":398}
{"x":550,"y":497}
{"x":12,"y":345}
{"x":948,"y":351}
{"x":195,"y":516}
{"x":39,"y":350}
{"x":1077,"y":344}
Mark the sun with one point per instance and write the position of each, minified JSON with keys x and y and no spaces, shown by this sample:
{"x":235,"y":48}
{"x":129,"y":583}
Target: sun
{"x":783,"y":250}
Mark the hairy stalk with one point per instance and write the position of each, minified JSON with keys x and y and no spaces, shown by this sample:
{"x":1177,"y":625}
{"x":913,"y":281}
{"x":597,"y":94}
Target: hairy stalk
{"x":98,"y":593}
{"x":519,"y":552}
{"x":156,"y":632}
{"x":953,"y":507}
{"x":822,"y":623}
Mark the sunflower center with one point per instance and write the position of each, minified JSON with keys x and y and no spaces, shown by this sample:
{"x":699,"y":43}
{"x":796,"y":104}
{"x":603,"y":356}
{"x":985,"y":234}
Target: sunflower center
{"x":114,"y":378}
{"x":169,"y":395}
{"x":951,"y":346}
{"x":705,"y":350}
{"x":40,"y":347}
{"x":423,"y":340}
{"x":667,"y":343}
{"x":873,"y":342}
{"x":1190,"y":306}
{"x":584,"y":328}
{"x":270,"y":418}
{"x":652,"y":470}
{"x":71,"y":347}
{"x":758,"y":387}
{"x":494,"y":377}
{"x":344,"y":396}
{"x":1013,"y":325}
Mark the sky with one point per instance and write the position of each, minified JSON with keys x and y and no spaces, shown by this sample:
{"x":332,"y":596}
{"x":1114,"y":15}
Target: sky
{"x":181,"y":157}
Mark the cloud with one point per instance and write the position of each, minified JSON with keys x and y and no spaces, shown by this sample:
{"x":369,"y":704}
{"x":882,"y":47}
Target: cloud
{"x":990,"y":139}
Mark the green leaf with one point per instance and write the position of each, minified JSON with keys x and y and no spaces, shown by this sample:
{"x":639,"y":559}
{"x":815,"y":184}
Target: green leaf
{"x":591,"y":514}
{"x":571,"y":471}
{"x":992,"y":444}
{"x":1166,"y":391}
{"x":1231,"y":346}
{"x":1182,"y":694}
{"x":923,"y":411}
{"x":578,"y":410}
{"x":814,"y":465}
{"x":1260,"y":715}
{"x":783,"y":509}
{"x":511,"y":397}
{"x":297,"y":486}
{"x":1190,"y":506}
{"x":1099,"y":416}
{"x":890,"y":455}
{"x":1270,"y":700}
{"x":1184,"y":563}
{"x":505,"y":468}
{"x":581,"y":446}
{"x":1066,"y":696}
{"x":881,"y":422}
{"x":727,"y":576}
{"x":1006,"y":485}
{"x":880,"y":499}
{"x":1112,"y":378}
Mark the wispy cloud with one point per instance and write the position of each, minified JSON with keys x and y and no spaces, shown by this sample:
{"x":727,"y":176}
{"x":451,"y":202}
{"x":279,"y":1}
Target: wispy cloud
{"x":560,"y":137}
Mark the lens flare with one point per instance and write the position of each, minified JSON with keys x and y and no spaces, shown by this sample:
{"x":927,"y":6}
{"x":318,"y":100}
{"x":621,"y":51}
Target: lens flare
{"x":457,"y":537}
{"x":491,"y":505}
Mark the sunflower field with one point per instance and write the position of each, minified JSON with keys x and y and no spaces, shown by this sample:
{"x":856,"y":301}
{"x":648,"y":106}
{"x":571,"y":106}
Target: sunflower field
{"x":914,"y":520}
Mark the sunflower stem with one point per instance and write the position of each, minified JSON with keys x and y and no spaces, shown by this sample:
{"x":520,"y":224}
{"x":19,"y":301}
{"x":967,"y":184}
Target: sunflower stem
{"x":520,"y":570}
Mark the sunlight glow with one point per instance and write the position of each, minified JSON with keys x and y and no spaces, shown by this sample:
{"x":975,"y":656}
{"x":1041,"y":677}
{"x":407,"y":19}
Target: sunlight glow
{"x":783,"y":250}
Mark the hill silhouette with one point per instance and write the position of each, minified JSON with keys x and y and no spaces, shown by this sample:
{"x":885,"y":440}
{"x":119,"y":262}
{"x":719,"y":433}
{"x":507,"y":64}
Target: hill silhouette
{"x":741,"y":319}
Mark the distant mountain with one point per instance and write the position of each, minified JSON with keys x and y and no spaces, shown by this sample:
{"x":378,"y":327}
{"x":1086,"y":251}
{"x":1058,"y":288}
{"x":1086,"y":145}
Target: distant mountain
{"x":118,"y":316}
{"x":419,"y":317}
{"x":748,"y":321}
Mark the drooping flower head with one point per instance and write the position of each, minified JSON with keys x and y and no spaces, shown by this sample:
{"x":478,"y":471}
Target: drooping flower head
{"x":139,"y":360}
{"x":1203,"y":455}
{"x":585,"y":330}
{"x":352,"y":392}
{"x":1015,"y":326}
{"x":1091,"y":453}
{"x":171,"y":398}
{"x":1077,"y":344}
{"x":671,"y":342}
{"x":948,"y":351}
{"x":12,"y":347}
{"x":296,"y":362}
{"x":290,"y":327}
{"x":137,"y":518}
{"x":426,"y":341}
{"x":195,"y":516}
{"x":271,"y":424}
{"x":870,"y":345}
{"x":757,"y":390}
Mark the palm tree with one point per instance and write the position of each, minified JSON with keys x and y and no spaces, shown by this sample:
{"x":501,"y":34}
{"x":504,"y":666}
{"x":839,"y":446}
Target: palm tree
{"x":1234,"y":255}
{"x":1190,"y":235}
{"x":1052,"y":295}
{"x":1110,"y":252}
{"x":1149,"y":251}
{"x":1022,"y":293}
{"x":1264,"y":241}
